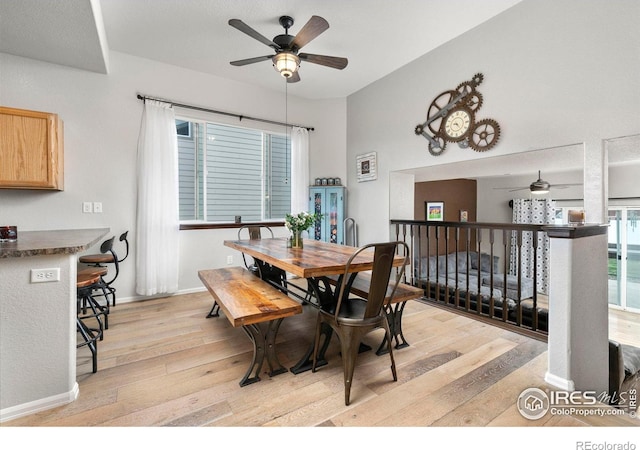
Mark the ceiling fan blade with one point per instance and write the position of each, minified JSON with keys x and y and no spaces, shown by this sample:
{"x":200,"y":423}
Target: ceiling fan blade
{"x":244,"y":62}
{"x":565,"y":185}
{"x":311,"y":30}
{"x":329,"y":61}
{"x":519,"y":189}
{"x":246,"y":29}
{"x":511,"y":188}
{"x":294,"y":78}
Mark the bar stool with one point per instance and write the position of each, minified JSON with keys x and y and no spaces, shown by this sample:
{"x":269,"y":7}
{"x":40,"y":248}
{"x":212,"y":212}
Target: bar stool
{"x":85,"y":284}
{"x":107,"y":255}
{"x":90,"y":272}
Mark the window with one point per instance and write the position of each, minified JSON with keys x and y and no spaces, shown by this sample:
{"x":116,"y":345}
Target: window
{"x":183,"y":128}
{"x":228,"y":171}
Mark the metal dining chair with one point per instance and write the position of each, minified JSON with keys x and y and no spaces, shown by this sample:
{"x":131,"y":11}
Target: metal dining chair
{"x":252,"y":232}
{"x":267,"y":272}
{"x":351,"y":318}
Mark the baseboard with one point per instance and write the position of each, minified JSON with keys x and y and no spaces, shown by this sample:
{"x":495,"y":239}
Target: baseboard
{"x":559,"y":382}
{"x":25,"y":409}
{"x":140,"y":298}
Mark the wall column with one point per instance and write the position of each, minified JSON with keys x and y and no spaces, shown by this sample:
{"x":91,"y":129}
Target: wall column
{"x":578,"y":308}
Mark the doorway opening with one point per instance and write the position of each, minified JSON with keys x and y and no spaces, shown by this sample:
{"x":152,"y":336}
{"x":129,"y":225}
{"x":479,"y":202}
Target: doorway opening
{"x":624,"y":258}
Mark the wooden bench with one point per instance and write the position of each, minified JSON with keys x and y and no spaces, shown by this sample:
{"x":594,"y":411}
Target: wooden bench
{"x":248,"y":302}
{"x":404,"y":292}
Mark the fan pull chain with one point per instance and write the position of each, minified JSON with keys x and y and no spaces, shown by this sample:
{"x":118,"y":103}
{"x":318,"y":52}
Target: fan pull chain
{"x":286,"y":130}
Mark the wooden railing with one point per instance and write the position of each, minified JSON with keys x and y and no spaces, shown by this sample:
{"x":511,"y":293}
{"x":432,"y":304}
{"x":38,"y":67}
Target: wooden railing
{"x":478,"y":269}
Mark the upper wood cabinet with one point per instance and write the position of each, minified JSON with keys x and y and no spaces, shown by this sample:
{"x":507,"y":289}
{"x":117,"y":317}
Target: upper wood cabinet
{"x":31,"y":150}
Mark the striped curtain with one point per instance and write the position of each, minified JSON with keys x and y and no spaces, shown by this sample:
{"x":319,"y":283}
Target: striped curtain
{"x":532,"y":211}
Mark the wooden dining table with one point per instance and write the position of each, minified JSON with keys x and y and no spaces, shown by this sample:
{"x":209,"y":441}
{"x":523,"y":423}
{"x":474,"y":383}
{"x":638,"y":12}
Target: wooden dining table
{"x":315,"y":262}
{"x":315,"y":259}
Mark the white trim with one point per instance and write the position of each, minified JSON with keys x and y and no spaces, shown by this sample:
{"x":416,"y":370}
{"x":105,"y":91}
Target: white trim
{"x":25,"y":409}
{"x":559,"y":382}
{"x":140,"y":298}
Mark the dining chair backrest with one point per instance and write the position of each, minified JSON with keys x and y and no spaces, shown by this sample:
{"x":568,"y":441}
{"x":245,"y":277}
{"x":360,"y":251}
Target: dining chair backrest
{"x":107,"y":247}
{"x":123,"y":237}
{"x":381,"y":274}
{"x":253,"y":231}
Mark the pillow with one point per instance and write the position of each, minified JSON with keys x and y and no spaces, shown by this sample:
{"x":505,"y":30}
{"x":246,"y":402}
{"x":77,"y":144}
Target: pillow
{"x":462,"y":260}
{"x":423,"y":267}
{"x":526,"y":285}
{"x":485,"y":263}
{"x":631,"y":359}
{"x":448,"y":262}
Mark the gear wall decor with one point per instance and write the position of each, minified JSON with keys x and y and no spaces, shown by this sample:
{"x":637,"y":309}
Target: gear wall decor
{"x":451,"y":118}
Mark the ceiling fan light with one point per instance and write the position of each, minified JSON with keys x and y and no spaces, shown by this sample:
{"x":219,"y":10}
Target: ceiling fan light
{"x":286,"y":63}
{"x":539,"y":187}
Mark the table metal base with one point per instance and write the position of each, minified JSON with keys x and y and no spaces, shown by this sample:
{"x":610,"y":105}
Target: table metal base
{"x":394,"y":317}
{"x":320,"y":294}
{"x":263,"y":345}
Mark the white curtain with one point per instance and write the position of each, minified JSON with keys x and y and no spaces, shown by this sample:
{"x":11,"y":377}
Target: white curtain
{"x":534,"y":211}
{"x":299,"y":170}
{"x":158,"y":222}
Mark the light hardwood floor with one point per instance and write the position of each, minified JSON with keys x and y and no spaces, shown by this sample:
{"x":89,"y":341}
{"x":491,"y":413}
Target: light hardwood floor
{"x":162,"y":363}
{"x":624,"y":327}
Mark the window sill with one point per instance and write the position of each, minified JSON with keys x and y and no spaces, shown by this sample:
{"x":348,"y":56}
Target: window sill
{"x":220,"y":225}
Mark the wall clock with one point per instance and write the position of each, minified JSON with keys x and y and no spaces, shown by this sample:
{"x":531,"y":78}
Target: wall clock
{"x":451,"y":118}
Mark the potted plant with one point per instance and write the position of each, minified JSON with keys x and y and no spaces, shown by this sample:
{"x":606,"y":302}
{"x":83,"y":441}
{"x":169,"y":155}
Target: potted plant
{"x":297,"y":223}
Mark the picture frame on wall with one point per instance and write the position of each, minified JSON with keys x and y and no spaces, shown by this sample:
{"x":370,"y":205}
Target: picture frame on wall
{"x":366,"y":167}
{"x":434,"y":211}
{"x":464,"y":215}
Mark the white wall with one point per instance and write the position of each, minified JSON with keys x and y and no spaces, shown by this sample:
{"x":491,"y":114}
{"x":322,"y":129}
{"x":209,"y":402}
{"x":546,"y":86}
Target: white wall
{"x":555,"y":73}
{"x":102,"y":118}
{"x":38,"y":335}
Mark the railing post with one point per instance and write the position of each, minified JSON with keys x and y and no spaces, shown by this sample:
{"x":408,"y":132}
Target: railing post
{"x":505,"y":244}
{"x":478,"y":293}
{"x":578,"y":308}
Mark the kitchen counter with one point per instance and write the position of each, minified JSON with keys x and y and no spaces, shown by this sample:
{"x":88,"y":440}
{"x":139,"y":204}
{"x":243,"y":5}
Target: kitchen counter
{"x":51,"y":242}
{"x":38,"y":319}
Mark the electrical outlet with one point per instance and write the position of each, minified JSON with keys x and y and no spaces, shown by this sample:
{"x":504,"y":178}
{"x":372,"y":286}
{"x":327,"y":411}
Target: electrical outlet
{"x":97,"y":207}
{"x":229,"y":260}
{"x":87,"y":207}
{"x":45,"y":275}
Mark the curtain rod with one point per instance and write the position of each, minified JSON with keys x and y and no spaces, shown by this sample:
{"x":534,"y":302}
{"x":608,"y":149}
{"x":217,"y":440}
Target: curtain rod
{"x":581,"y":199}
{"x":239,"y":116}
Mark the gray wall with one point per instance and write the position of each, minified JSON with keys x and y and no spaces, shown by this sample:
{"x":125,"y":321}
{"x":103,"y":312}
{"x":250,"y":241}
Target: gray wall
{"x":102,"y":116}
{"x":555,"y":73}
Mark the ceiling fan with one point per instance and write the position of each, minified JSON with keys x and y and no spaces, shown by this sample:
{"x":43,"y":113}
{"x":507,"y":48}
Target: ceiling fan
{"x":540,"y":186}
{"x":286,"y":60}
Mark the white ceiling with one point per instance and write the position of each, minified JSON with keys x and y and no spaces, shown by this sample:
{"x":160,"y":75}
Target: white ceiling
{"x":377,"y":36}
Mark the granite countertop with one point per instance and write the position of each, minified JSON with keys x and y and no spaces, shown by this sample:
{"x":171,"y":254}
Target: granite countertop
{"x":51,"y":242}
